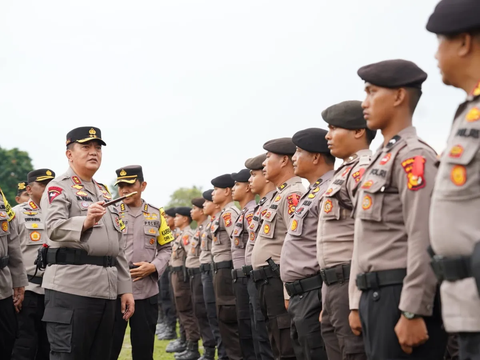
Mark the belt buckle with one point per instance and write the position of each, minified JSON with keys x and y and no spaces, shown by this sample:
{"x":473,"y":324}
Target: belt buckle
{"x":298,"y":288}
{"x":361,"y":281}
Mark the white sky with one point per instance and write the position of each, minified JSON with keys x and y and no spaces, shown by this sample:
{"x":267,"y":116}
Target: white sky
{"x":191,"y":89}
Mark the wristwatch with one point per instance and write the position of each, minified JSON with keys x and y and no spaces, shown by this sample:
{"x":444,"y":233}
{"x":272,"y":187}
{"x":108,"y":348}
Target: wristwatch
{"x":410,"y":315}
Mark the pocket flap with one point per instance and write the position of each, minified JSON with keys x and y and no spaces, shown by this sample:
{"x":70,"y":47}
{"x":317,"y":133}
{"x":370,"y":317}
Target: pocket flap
{"x":34,"y":225}
{"x":461,"y":154}
{"x":150,"y":231}
{"x":58,"y":315}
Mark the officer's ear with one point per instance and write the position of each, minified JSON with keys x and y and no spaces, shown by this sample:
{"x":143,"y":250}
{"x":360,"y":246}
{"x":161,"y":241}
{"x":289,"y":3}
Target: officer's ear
{"x":143,"y":186}
{"x":400,"y":96}
{"x":358,"y":133}
{"x":69,"y":151}
{"x":29,"y":189}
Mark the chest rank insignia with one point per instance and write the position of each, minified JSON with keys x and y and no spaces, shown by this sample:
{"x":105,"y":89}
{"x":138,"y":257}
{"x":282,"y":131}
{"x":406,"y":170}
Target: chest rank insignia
{"x":277,"y":199}
{"x":473,"y":115}
{"x":458,"y":175}
{"x":386,"y":159}
{"x":414,"y":167}
{"x":368,"y":184}
{"x":76,"y":180}
{"x":328,"y":206}
{"x":329,"y":191}
{"x":283,"y":186}
{"x":366,"y":202}
{"x":33,"y":206}
{"x":77,"y":187}
{"x":311,"y":196}
{"x":29,"y":213}
{"x":294,"y":225}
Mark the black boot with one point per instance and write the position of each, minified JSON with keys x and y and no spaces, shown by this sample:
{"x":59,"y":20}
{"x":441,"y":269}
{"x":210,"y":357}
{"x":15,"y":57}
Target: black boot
{"x":178,"y":345}
{"x":169,"y":333}
{"x":208,"y":354}
{"x":191,"y":353}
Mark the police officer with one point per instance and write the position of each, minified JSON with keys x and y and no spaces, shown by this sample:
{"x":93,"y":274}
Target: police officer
{"x":32,"y":342}
{"x":87,"y":269}
{"x":13,"y":278}
{"x":206,"y":268}
{"x":260,"y":186}
{"x":242,"y":193}
{"x":22,"y":194}
{"x":298,"y":262}
{"x":278,"y":168}
{"x":181,"y":284}
{"x":147,"y":247}
{"x":399,"y":309}
{"x":196,"y":288}
{"x":453,"y":225}
{"x":221,"y":228}
{"x":348,"y":139}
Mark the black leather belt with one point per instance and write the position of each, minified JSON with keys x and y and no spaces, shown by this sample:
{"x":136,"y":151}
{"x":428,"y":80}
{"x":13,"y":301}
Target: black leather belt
{"x":263,"y":273}
{"x":377,"y":279}
{"x":35,"y":280}
{"x":336,"y":274}
{"x":193,"y":271}
{"x":69,"y":256}
{"x":300,"y":287}
{"x":176,"y":269}
{"x":205,"y":267}
{"x":247,"y":269}
{"x":4,"y":261}
{"x":222,"y":265}
{"x":452,"y":268}
{"x":237,"y":274}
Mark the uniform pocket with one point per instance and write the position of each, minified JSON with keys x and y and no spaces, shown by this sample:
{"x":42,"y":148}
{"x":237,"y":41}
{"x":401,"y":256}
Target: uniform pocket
{"x":151,"y":235}
{"x":4,"y":224}
{"x":330,"y":209}
{"x":227,"y":313}
{"x":269,"y":223}
{"x":369,"y":206}
{"x":35,"y":231}
{"x":59,"y":328}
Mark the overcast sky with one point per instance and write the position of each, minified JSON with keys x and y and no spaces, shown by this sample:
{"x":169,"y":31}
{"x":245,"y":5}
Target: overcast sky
{"x":191,"y":89}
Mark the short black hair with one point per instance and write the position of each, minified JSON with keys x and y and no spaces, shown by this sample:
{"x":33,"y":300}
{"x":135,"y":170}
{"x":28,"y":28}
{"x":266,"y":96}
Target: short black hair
{"x":329,"y":158}
{"x":370,"y":135}
{"x":414,"y":97}
{"x":70,"y":146}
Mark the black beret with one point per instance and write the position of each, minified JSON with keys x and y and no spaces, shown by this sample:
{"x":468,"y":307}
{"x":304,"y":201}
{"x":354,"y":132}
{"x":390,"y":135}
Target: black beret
{"x":242,"y":176}
{"x":21,"y":187}
{"x":345,"y":115}
{"x":170,"y":212}
{"x":129,"y":174}
{"x":198,"y":202}
{"x":84,"y":134}
{"x":207,"y":195}
{"x":282,"y":146}
{"x":256,"y":163}
{"x":312,"y":140}
{"x":223,"y":181}
{"x":393,"y":74}
{"x":40,"y":175}
{"x":183,"y":210}
{"x":454,"y":17}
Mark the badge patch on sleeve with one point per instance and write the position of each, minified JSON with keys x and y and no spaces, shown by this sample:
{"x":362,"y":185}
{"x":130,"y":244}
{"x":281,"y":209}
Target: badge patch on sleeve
{"x":415,"y":167}
{"x":292,"y":203}
{"x":53,"y":192}
{"x":328,"y":206}
{"x":227,"y":218}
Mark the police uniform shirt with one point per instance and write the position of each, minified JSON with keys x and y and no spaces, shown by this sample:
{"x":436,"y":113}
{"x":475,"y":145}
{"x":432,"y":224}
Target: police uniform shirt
{"x":276,"y":222}
{"x":65,"y":203}
{"x":221,"y":229}
{"x":454,"y":221}
{"x":179,"y":253}
{"x":144,"y":241}
{"x":253,"y":229}
{"x":206,"y":241}
{"x":298,"y":259}
{"x":193,"y":248}
{"x":391,"y":219}
{"x":32,"y":235}
{"x":240,"y":234}
{"x":336,"y":224}
{"x":13,"y":275}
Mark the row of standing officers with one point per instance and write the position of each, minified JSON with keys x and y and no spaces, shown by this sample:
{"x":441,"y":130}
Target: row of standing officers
{"x":340,"y":270}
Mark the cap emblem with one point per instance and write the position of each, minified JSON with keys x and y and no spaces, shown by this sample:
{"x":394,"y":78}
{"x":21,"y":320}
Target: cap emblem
{"x":123,"y":173}
{"x":92,"y":132}
{"x":48,"y":173}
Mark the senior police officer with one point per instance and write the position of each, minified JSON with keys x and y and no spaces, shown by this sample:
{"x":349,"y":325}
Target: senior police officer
{"x":348,"y":139}
{"x":453,"y":222}
{"x":32,"y":342}
{"x":278,"y":168}
{"x":298,"y":262}
{"x":181,"y":284}
{"x":206,"y":268}
{"x":148,"y":247}
{"x":87,"y":269}
{"x":260,"y":186}
{"x":22,"y":194}
{"x":221,"y":228}
{"x":13,"y":278}
{"x":399,"y":309}
{"x":245,"y":197}
{"x":196,"y":288}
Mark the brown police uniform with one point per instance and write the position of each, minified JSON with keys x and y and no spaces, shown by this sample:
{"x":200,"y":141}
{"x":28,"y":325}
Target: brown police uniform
{"x":221,"y":229}
{"x":147,"y":239}
{"x":454,"y":228}
{"x":12,"y":275}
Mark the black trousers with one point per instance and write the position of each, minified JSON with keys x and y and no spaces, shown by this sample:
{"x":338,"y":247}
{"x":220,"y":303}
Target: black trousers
{"x":277,"y":318}
{"x":227,"y":313}
{"x":243,"y":318}
{"x":469,"y":344}
{"x":305,"y":329}
{"x":142,"y":329}
{"x":78,"y":327}
{"x":165,"y":298}
{"x":32,"y":342}
{"x":261,"y":343}
{"x":379,"y":314}
{"x":211,"y":308}
{"x":8,"y":327}
{"x":200,"y":311}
